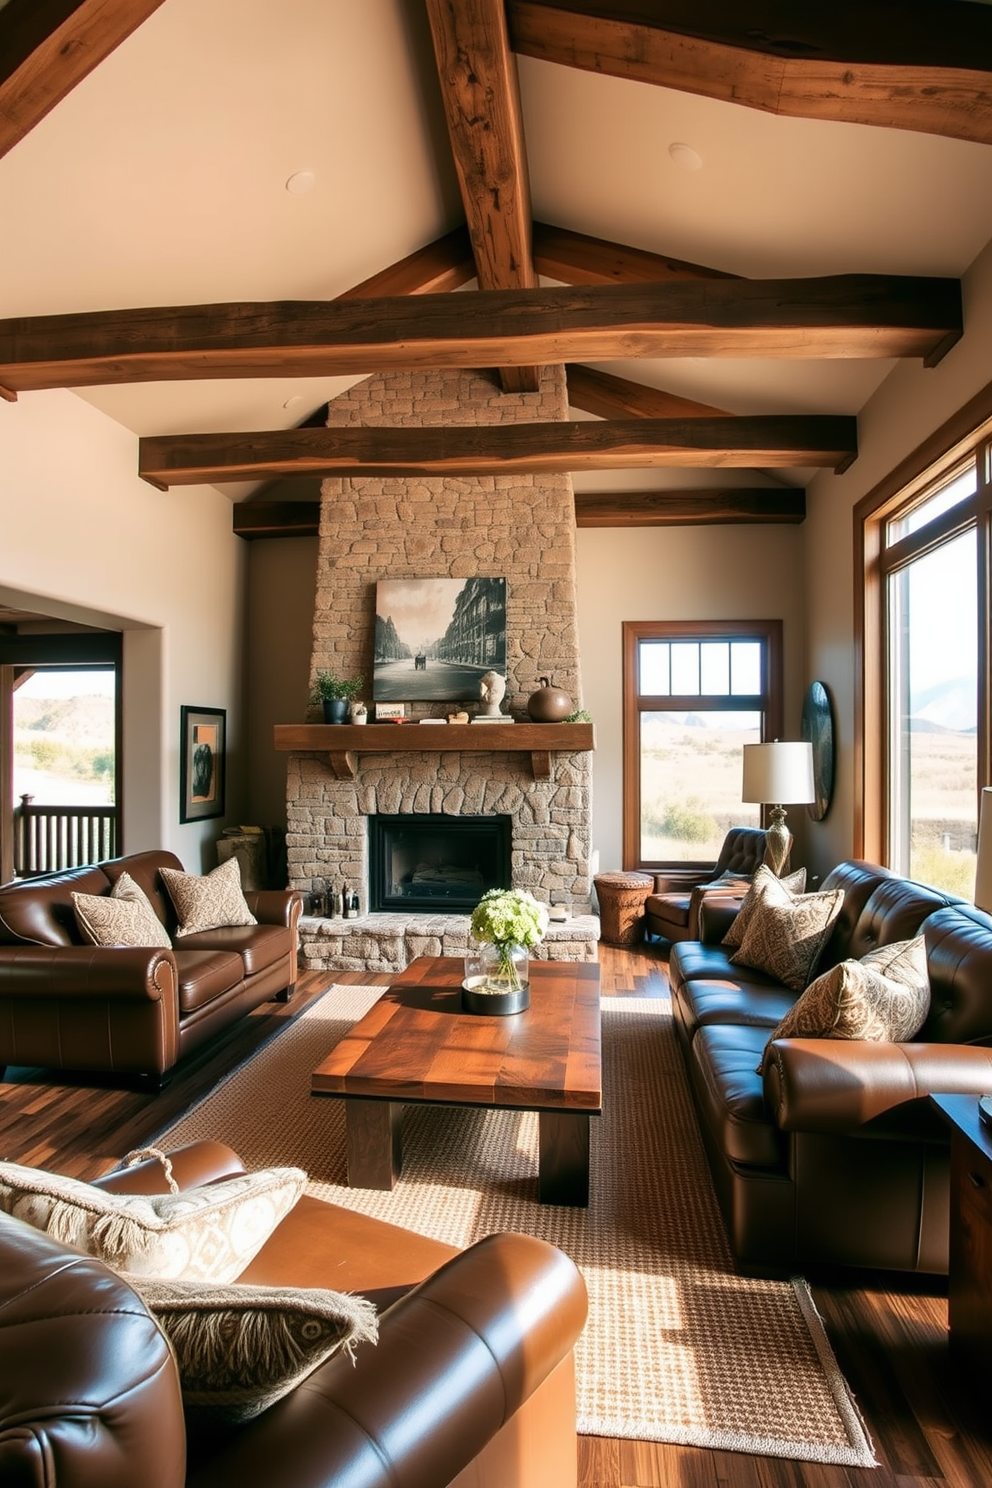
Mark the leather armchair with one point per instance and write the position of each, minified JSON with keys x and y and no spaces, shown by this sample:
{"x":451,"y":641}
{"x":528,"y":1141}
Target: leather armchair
{"x":470,"y":1384}
{"x":673,"y":910}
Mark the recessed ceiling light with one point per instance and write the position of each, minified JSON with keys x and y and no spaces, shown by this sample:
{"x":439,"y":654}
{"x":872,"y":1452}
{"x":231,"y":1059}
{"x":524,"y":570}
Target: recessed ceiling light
{"x":301,"y":181}
{"x":685,"y":156}
{"x":294,"y":401}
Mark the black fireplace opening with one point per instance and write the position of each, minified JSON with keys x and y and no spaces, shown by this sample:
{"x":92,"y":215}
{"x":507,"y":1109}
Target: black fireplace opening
{"x":429,"y":861}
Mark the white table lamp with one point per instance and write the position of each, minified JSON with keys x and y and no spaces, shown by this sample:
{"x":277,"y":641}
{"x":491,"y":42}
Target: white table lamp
{"x":773,"y":774}
{"x":983,"y":868}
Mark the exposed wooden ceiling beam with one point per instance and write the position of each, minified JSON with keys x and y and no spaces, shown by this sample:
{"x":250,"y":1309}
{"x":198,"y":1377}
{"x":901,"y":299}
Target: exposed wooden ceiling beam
{"x":194,"y":459}
{"x":478,"y":76}
{"x":48,"y":46}
{"x":576,"y":258}
{"x":255,"y":518}
{"x":854,"y":315}
{"x":610,"y":397}
{"x":924,"y":67}
{"x":690,"y":508}
{"x":443,"y":265}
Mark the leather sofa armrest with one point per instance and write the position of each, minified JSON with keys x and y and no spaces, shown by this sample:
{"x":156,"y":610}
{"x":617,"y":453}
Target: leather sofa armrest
{"x":715,"y":913}
{"x":836,"y":1086}
{"x":90,"y":1393}
{"x":199,"y":1163}
{"x":109,"y":972}
{"x":456,"y":1358}
{"x":275,"y":906}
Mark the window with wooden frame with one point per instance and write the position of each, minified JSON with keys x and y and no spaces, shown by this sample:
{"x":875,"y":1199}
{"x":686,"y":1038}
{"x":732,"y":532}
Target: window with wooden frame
{"x":923,"y":544}
{"x":694,"y":693}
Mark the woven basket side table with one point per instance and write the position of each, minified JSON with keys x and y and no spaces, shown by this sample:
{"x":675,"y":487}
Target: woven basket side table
{"x":621,"y":906}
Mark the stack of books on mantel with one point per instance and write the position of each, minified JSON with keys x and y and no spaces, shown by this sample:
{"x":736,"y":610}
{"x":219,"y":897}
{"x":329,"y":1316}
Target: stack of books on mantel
{"x":486,"y":718}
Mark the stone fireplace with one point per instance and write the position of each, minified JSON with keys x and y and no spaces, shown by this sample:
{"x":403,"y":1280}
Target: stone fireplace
{"x":520,"y":527}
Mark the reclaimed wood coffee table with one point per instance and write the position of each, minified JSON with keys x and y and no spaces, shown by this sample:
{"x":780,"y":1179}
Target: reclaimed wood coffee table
{"x":416,"y":1046}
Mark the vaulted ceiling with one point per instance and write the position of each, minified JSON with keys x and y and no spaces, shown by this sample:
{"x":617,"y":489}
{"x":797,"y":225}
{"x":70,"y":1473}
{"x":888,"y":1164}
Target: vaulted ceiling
{"x":726,"y":219}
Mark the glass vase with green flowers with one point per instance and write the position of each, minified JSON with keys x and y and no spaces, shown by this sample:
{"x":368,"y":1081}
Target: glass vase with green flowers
{"x":506,"y":923}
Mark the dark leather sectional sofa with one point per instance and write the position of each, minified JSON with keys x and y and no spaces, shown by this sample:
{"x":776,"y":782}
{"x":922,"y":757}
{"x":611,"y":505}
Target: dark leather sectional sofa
{"x":65,"y":1004}
{"x":836,"y":1156}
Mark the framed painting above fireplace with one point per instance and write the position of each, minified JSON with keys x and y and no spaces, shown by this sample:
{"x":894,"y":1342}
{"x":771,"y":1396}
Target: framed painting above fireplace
{"x":435,"y":638}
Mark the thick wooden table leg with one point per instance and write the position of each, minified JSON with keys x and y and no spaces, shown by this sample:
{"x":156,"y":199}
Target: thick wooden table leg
{"x":563,"y":1162}
{"x":375,"y":1143}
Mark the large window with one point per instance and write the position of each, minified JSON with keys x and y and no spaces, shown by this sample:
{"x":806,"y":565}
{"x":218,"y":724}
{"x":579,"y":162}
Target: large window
{"x":925,"y":699}
{"x":694,"y":694}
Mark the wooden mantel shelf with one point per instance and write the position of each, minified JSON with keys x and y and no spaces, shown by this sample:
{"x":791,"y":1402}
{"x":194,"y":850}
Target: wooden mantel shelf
{"x":344,"y":741}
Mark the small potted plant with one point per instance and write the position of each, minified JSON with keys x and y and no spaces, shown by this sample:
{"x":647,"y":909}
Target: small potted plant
{"x":505,"y":924}
{"x":335,"y":694}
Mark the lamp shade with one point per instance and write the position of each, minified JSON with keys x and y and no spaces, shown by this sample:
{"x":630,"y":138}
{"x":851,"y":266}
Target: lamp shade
{"x":780,"y":774}
{"x":983,"y":868}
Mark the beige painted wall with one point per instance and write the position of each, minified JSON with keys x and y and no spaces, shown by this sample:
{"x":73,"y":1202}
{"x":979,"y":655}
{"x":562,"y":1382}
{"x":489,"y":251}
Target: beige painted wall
{"x":677,"y":573}
{"x":84,"y":538}
{"x":911,"y":403}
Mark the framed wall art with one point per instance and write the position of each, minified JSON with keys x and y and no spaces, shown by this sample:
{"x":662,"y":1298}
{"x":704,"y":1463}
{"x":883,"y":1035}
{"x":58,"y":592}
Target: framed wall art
{"x":202,"y":763}
{"x":435,"y":638}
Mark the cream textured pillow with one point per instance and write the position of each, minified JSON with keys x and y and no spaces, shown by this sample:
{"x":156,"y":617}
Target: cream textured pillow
{"x":794,"y":882}
{"x":785,"y":932}
{"x":208,"y":903}
{"x":883,"y":998}
{"x":241,"y":1348}
{"x":204,"y":1234}
{"x":124,"y":917}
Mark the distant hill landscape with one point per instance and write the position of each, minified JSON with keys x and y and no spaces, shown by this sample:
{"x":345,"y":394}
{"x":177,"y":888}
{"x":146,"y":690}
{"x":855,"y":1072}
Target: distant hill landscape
{"x":64,"y":748}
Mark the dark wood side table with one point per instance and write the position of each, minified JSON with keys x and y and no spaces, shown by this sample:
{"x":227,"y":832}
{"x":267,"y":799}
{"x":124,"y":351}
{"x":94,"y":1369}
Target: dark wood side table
{"x":969,"y":1279}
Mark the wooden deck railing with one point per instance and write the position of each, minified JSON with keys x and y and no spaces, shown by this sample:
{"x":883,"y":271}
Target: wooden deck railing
{"x":50,"y":838}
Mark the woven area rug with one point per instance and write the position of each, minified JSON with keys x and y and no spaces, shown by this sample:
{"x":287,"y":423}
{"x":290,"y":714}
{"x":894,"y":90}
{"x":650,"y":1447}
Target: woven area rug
{"x":678,"y":1347}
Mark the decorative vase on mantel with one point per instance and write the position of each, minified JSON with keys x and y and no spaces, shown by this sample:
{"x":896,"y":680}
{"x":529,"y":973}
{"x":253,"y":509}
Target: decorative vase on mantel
{"x":335,"y":710}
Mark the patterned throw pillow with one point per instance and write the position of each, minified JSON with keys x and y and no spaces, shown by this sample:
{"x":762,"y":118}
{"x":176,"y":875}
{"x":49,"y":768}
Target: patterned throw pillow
{"x":241,"y":1348}
{"x":208,"y":903}
{"x":883,"y":998}
{"x":205,"y":1234}
{"x":794,"y":882}
{"x":786,"y":932}
{"x":124,"y":917}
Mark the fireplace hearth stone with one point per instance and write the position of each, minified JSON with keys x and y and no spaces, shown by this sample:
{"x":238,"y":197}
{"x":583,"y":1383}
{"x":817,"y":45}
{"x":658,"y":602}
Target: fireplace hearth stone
{"x":389,"y":942}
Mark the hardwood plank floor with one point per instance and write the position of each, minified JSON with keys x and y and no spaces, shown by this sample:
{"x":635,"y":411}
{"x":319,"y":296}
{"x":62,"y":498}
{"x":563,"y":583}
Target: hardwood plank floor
{"x":929,"y":1423}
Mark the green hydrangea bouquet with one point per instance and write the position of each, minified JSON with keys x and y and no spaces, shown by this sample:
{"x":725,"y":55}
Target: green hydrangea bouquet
{"x":507,"y":918}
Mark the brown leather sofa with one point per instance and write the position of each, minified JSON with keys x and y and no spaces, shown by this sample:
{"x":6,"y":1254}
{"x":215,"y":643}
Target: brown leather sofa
{"x":471,"y":1383}
{"x":836,"y":1155}
{"x":672,"y":911}
{"x":65,"y":1004}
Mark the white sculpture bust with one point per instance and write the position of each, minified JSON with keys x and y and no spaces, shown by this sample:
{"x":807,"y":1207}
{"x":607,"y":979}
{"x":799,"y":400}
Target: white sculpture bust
{"x":491,"y":690}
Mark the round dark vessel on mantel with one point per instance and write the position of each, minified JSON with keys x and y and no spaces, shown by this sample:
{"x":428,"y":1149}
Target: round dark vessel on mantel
{"x":548,"y":704}
{"x":494,"y":1004}
{"x":336,"y":710}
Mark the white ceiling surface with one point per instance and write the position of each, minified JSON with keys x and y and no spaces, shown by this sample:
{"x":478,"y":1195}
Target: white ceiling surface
{"x":161,"y":180}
